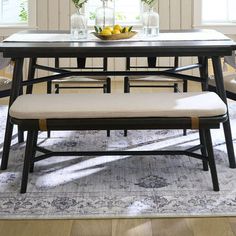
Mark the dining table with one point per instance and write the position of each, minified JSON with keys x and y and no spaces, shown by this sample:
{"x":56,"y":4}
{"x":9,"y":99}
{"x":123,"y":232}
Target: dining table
{"x":205,"y":45}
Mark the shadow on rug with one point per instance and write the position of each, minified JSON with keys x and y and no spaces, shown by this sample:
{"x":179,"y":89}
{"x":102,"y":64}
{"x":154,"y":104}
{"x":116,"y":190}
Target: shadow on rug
{"x":117,"y":186}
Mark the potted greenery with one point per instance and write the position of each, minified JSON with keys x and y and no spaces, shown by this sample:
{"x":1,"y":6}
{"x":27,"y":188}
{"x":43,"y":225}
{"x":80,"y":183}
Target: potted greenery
{"x":79,"y":3}
{"x":78,"y":21}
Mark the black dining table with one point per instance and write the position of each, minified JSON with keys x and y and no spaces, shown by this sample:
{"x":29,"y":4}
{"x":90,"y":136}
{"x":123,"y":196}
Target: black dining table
{"x":204,"y":44}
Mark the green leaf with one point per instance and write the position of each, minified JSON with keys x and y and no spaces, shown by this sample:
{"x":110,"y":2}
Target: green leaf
{"x":123,"y":30}
{"x":130,"y":28}
{"x":100,"y":29}
{"x":96,"y":29}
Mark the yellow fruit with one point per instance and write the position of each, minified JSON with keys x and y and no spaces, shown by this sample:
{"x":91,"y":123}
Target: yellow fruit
{"x":108,"y":28}
{"x":117,"y":27}
{"x":115,"y":31}
{"x":105,"y":32}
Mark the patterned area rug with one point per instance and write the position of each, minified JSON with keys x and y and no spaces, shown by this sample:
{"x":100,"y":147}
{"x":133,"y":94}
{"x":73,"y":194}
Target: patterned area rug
{"x":120,"y":186}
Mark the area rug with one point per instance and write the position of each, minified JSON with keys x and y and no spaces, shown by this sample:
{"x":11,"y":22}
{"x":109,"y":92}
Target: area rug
{"x":117,"y":186}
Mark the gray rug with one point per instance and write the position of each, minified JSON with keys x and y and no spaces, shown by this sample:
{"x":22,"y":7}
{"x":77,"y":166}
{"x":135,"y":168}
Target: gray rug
{"x":121,"y":186}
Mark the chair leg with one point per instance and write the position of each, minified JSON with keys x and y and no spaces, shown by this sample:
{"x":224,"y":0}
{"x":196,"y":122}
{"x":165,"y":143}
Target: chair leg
{"x":211,"y":160}
{"x":175,"y":88}
{"x":126,"y":85}
{"x":185,"y":86}
{"x":49,"y":91}
{"x":203,"y":149}
{"x":20,"y":135}
{"x":35,"y":139}
{"x":28,"y":157}
{"x":7,"y":144}
{"x":56,"y":88}
{"x":108,"y":90}
{"x":126,"y":90}
{"x":185,"y":89}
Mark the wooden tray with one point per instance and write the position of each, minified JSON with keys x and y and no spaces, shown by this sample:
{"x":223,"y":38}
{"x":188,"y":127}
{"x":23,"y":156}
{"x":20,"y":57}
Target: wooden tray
{"x":116,"y":36}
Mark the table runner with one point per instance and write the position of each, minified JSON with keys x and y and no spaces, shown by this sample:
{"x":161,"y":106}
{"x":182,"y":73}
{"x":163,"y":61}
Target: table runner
{"x":204,"y":35}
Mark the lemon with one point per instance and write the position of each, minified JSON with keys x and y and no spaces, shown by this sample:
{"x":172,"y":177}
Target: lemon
{"x":117,"y":27}
{"x":105,"y":32}
{"x":108,"y":28}
{"x":115,"y":31}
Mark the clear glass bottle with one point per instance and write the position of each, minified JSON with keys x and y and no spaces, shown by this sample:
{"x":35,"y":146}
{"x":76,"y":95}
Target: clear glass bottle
{"x":151,"y":23}
{"x":78,"y":26}
{"x":105,"y":16}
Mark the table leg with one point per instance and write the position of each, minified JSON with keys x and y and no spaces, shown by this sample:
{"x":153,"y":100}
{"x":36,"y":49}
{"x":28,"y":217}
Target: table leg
{"x":203,"y":70}
{"x":31,"y":74}
{"x":221,"y":92}
{"x":15,"y":90}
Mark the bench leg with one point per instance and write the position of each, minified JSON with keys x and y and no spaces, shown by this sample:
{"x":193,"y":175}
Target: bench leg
{"x":203,"y":148}
{"x":29,"y":150}
{"x":211,"y":160}
{"x":35,"y":139}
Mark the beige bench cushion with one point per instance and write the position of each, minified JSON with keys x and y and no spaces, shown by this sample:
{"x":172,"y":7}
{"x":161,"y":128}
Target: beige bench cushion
{"x":5,"y":83}
{"x":229,"y":81}
{"x":82,"y":80}
{"x":135,"y":80}
{"x":117,"y":105}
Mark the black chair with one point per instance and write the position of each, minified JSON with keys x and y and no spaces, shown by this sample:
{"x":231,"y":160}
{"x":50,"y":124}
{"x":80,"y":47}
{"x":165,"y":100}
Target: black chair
{"x":81,"y":82}
{"x":229,"y":83}
{"x":152,"y":81}
{"x":5,"y":89}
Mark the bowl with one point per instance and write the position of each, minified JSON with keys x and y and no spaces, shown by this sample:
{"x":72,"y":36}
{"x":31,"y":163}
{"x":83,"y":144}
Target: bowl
{"x":126,"y":35}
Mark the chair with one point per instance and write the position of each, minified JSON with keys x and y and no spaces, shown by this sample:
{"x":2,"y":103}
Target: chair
{"x":78,"y":82}
{"x":5,"y":88}
{"x":229,"y":83}
{"x":75,"y":82}
{"x":229,"y":77}
{"x":153,"y":81}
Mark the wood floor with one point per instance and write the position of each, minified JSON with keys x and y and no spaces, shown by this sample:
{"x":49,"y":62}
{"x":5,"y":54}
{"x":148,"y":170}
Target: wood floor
{"x":121,"y":227}
{"x":225,"y":226}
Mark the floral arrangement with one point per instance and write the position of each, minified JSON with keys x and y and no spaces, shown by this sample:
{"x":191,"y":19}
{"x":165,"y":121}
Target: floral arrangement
{"x":79,"y":3}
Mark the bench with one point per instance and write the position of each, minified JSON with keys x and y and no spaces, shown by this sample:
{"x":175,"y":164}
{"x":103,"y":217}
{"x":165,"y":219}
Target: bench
{"x":200,"y":110}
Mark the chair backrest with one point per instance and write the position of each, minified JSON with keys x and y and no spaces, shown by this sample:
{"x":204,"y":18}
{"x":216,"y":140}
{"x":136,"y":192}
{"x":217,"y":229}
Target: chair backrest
{"x":81,"y":64}
{"x":151,"y":63}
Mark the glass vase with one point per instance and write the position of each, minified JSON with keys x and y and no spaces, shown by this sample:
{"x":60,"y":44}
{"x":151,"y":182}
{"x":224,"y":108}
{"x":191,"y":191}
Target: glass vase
{"x":105,"y":16}
{"x":151,"y":23}
{"x":78,"y":26}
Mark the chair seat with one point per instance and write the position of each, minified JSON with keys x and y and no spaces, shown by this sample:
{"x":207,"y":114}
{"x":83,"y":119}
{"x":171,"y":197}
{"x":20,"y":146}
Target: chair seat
{"x":229,"y":81}
{"x":77,"y":79}
{"x":163,"y":79}
{"x":56,"y":106}
{"x":5,"y":83}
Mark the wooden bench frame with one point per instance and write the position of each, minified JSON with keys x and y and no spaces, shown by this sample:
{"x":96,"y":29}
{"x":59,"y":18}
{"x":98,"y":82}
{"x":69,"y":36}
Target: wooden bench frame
{"x":203,"y":124}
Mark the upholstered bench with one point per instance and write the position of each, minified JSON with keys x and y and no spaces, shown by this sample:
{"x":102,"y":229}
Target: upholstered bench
{"x":202,"y":111}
